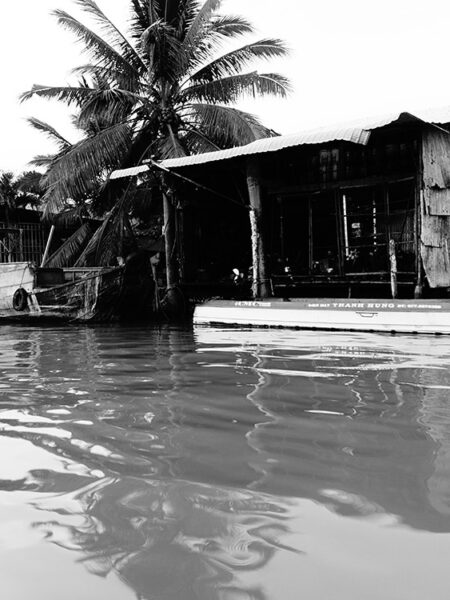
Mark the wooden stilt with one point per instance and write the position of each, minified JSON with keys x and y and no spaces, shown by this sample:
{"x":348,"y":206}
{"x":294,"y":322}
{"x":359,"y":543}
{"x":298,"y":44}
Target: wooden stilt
{"x":418,"y":289}
{"x":260,"y":286}
{"x":179,"y":235}
{"x":170,"y":253}
{"x":393,"y":268}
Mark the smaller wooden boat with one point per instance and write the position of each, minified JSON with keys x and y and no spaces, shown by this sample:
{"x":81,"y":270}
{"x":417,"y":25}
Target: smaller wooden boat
{"x":403,"y":316}
{"x":72,"y":294}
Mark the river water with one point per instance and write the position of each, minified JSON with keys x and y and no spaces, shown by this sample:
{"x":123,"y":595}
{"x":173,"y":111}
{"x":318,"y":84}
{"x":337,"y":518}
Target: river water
{"x":214,"y":464}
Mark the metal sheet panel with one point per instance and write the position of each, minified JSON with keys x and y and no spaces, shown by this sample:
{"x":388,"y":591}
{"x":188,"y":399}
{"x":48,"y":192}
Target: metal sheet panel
{"x":436,"y":262}
{"x":438,"y":202}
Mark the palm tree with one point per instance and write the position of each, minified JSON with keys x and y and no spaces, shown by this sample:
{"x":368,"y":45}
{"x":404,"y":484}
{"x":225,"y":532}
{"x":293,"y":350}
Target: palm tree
{"x":164,"y":91}
{"x":22,"y":191}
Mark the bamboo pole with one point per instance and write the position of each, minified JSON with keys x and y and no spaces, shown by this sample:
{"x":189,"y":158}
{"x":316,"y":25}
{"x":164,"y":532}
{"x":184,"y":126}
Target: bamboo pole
{"x":260,"y":285}
{"x":47,"y":246}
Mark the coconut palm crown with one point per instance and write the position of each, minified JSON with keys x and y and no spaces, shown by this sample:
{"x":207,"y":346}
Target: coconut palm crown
{"x":165,"y":89}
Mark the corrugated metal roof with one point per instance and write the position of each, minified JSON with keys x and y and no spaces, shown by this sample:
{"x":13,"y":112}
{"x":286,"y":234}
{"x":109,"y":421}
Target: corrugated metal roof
{"x":129,"y":172}
{"x":357,"y":132}
{"x":355,"y":135}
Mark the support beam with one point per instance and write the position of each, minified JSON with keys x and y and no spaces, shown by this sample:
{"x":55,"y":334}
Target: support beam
{"x":418,"y":289}
{"x":260,"y":286}
{"x":393,"y":268}
{"x":170,"y":248}
{"x":179,"y":236}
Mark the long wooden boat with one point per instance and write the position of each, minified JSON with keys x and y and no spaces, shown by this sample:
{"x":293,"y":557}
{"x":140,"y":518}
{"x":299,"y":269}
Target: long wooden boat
{"x":73,"y":294}
{"x":403,"y":316}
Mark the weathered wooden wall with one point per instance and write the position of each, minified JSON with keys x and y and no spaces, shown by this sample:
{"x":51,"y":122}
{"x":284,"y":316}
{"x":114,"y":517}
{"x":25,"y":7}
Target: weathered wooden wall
{"x":435,"y":207}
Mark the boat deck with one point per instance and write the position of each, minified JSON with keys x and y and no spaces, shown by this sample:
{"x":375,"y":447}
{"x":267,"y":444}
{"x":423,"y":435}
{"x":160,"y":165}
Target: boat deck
{"x":402,"y":316}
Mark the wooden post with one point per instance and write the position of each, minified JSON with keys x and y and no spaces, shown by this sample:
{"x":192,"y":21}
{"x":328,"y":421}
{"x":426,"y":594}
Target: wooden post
{"x":310,"y":237}
{"x":21,"y":256}
{"x":282,"y":236}
{"x":170,"y":252}
{"x":260,"y":286}
{"x":339,"y":232}
{"x":393,"y":268}
{"x":47,"y":246}
{"x":179,"y":222}
{"x":418,"y":289}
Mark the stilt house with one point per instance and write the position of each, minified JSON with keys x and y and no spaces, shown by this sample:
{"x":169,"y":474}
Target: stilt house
{"x":362,"y":210}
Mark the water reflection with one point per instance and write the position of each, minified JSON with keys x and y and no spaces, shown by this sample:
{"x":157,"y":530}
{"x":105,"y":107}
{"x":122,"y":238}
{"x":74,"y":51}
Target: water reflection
{"x":185,"y":463}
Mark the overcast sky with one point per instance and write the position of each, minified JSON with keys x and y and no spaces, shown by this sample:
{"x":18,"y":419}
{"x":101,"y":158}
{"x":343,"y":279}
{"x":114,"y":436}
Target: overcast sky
{"x":349,"y":59}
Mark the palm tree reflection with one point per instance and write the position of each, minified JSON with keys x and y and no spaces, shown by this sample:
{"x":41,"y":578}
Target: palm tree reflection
{"x":168,"y":539}
{"x":178,"y":454}
{"x":135,"y":493}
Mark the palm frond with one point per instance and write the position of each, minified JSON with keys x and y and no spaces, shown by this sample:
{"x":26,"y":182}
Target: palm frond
{"x":87,"y":256}
{"x":110,"y":76}
{"x":229,"y":89}
{"x":170,"y":146}
{"x":100,"y":50}
{"x":77,"y":172}
{"x":234,"y":61}
{"x":107,"y":106}
{"x":115,"y":36}
{"x":68,"y":94}
{"x":197,"y":24}
{"x":54,"y":135}
{"x":109,"y":245}
{"x":196,"y":142}
{"x":104,"y":72}
{"x":229,"y":26}
{"x":226,"y":126}
{"x":166,"y":59}
{"x":211,"y":37}
{"x":69,"y":218}
{"x":42,"y":160}
{"x":70,"y":250}
{"x":8,"y":189}
{"x":30,"y":182}
{"x":186,"y":11}
{"x":104,"y":246}
{"x":144,"y":14}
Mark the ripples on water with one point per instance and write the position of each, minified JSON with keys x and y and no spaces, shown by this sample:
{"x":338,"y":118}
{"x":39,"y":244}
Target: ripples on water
{"x":223,"y":464}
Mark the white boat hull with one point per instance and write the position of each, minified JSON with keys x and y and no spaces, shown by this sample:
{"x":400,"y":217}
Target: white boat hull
{"x":403,"y":316}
